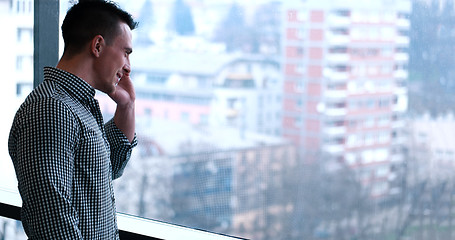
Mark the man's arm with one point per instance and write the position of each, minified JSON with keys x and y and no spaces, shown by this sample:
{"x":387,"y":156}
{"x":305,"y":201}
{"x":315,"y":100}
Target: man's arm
{"x":122,"y":125}
{"x":125,"y":97}
{"x":42,"y":144}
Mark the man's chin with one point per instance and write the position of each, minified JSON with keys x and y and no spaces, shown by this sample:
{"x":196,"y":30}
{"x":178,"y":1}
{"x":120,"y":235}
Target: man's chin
{"x":111,"y":90}
{"x":108,"y":89}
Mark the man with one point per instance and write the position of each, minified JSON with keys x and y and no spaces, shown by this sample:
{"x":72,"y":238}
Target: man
{"x":64,"y":155}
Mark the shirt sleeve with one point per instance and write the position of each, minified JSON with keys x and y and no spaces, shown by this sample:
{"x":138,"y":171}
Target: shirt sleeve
{"x":120,"y":146}
{"x":42,"y":145}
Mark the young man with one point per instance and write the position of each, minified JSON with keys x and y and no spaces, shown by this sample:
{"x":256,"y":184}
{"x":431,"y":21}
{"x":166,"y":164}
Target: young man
{"x":64,"y":155}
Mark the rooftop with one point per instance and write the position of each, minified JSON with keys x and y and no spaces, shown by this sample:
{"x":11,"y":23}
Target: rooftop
{"x":175,"y":136}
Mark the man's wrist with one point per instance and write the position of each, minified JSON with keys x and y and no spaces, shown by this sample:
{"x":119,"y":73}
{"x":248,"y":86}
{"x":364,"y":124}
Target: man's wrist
{"x":126,"y":106}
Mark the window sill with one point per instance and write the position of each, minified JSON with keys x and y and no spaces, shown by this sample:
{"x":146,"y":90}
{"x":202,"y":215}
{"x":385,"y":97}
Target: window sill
{"x":131,"y":227}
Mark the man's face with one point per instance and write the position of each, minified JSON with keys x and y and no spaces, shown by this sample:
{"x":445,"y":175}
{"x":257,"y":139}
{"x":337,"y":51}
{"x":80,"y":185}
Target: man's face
{"x":114,"y":61}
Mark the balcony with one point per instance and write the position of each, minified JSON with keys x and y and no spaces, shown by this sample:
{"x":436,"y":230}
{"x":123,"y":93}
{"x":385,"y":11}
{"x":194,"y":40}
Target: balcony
{"x":402,"y":40}
{"x":335,"y":94}
{"x":401,"y":74}
{"x":339,"y":21}
{"x":399,"y":124}
{"x":400,"y":90}
{"x":335,"y":76}
{"x":130,"y":227}
{"x":334,"y":148}
{"x":334,"y":130}
{"x":337,"y":39}
{"x":403,"y":23}
{"x":401,"y":57}
{"x":338,"y":58}
{"x":335,"y":112}
{"x":401,"y":105}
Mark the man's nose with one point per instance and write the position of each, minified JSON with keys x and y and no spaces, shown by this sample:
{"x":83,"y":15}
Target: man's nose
{"x":127,"y":69}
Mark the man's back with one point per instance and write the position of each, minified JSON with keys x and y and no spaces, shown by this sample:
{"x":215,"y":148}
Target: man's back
{"x":61,"y":154}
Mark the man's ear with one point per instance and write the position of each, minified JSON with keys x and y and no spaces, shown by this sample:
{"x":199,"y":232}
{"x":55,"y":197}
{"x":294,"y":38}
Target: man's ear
{"x":97,"y":45}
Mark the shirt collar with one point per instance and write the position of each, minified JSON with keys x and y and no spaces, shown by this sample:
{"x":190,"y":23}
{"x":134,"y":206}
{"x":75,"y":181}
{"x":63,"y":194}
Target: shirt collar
{"x":74,"y":85}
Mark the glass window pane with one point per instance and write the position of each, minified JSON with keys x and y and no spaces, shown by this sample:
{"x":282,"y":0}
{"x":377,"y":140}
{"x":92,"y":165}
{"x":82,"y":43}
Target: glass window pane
{"x":11,"y":229}
{"x":17,"y":69}
{"x":292,"y":119}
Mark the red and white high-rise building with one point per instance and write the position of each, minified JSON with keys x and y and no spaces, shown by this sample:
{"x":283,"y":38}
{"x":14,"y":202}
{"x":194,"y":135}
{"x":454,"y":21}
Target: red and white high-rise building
{"x":345,"y":71}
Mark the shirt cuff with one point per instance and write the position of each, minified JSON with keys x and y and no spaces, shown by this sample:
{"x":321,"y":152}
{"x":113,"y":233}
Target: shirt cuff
{"x":113,"y":132}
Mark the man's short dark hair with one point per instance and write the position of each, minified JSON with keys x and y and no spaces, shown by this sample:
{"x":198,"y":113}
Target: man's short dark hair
{"x":87,"y":19}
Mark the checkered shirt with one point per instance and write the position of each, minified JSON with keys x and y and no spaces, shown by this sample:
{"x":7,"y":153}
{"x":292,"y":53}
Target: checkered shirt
{"x":65,"y":159}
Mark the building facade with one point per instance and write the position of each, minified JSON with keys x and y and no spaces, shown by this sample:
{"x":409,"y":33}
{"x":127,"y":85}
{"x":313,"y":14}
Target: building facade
{"x":344,"y":95}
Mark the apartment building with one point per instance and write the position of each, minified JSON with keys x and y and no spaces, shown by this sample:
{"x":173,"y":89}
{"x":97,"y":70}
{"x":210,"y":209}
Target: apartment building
{"x":22,"y":13}
{"x":17,"y":69}
{"x":249,"y":96}
{"x":344,"y":96}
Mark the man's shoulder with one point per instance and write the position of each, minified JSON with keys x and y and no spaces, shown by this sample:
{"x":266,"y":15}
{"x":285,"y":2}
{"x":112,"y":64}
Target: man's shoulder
{"x":51,"y":94}
{"x":47,"y":99}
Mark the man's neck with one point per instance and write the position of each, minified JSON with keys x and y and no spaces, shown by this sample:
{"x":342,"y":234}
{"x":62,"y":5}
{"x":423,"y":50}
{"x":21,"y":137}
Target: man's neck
{"x":77,"y":65}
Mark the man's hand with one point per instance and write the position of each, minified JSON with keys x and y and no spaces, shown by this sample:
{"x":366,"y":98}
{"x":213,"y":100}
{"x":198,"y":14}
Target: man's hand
{"x":124,"y":94}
